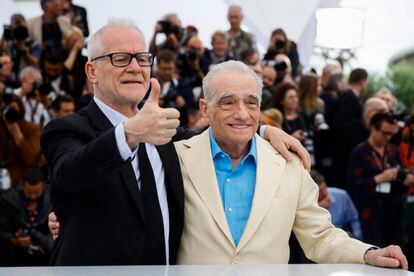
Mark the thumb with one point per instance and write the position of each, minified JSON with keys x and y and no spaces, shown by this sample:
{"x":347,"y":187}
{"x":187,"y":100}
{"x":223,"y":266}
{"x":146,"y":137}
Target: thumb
{"x":155,"y":91}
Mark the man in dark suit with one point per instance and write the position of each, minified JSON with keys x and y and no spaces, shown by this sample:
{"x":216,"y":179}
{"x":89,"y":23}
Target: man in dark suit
{"x":78,"y":16}
{"x":118,"y":197}
{"x":92,"y":156}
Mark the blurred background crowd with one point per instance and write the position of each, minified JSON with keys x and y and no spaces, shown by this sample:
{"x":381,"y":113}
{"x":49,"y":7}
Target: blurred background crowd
{"x":361,"y":144}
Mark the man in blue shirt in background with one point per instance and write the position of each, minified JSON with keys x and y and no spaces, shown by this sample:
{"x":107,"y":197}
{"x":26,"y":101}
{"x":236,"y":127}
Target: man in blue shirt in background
{"x":343,"y":211}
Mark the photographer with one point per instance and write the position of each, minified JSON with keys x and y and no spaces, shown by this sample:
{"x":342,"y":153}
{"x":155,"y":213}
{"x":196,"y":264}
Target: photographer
{"x":192,"y":68}
{"x":170,"y":26}
{"x":31,"y":94}
{"x":377,"y":182}
{"x":24,"y":236}
{"x":17,"y":43}
{"x":19,"y":139}
{"x":280,"y":44}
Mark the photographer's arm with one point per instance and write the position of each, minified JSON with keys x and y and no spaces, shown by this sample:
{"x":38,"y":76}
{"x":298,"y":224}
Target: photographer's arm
{"x":26,"y":54}
{"x":70,"y":61}
{"x":153,"y":48}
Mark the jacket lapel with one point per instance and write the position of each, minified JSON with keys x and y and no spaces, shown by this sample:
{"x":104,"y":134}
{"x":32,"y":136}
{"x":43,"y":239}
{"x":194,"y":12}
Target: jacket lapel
{"x":101,"y":124}
{"x":198,"y":163}
{"x":269,"y":172}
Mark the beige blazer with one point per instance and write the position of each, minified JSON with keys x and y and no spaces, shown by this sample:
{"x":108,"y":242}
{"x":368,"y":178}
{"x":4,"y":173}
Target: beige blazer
{"x":34,"y":26}
{"x":285,"y":198}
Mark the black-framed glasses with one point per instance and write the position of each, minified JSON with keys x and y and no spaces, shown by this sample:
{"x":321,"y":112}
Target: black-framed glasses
{"x":122,"y":59}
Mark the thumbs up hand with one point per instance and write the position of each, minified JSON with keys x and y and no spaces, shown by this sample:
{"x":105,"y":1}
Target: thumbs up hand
{"x":152,"y":124}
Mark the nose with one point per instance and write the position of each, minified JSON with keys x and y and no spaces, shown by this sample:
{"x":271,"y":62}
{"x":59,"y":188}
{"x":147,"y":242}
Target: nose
{"x":241,"y":112}
{"x":134,"y":66}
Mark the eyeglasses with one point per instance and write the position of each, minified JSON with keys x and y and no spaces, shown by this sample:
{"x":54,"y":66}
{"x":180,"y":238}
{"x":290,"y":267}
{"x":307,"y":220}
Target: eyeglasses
{"x":387,"y":133}
{"x":122,"y":59}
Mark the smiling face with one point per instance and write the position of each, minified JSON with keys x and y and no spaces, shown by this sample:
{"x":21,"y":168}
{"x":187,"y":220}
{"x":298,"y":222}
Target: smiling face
{"x":122,"y":88}
{"x":234,"y":109}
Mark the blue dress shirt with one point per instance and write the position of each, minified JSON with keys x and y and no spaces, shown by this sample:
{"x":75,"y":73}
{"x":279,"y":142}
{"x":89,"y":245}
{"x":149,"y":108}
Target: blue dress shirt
{"x":236,"y":186}
{"x":343,"y":211}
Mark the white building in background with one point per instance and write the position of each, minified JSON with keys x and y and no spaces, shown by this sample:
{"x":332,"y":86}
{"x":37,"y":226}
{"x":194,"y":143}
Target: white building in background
{"x":387,"y":25}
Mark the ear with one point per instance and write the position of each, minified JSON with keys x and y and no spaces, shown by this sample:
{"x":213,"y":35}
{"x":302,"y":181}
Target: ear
{"x":202,"y":104}
{"x":90,"y":71}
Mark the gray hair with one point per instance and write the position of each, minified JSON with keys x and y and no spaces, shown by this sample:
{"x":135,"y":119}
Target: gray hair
{"x":29,"y":71}
{"x":230,"y":66}
{"x":95,"y":44}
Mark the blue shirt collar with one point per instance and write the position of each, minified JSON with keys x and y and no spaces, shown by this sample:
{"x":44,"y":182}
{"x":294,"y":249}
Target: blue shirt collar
{"x":216,"y":150}
{"x":114,"y":116}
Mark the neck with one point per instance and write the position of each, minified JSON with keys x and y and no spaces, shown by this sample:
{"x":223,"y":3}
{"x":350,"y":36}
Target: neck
{"x":291,"y":113}
{"x":234,"y":30}
{"x":377,"y":147}
{"x":127,"y":110}
{"x":356,"y":90}
{"x":236,"y":152}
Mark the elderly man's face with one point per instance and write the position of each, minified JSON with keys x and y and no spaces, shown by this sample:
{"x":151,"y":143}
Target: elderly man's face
{"x":234,"y":17}
{"x":234,"y":109}
{"x":120,"y":87}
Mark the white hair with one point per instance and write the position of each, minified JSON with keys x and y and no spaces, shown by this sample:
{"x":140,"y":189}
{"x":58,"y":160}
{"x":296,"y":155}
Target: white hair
{"x":231,"y":66}
{"x":95,"y":44}
{"x":29,"y":71}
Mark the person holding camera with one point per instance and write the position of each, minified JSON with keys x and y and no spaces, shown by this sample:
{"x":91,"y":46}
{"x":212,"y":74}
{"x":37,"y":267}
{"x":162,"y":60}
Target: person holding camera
{"x":31,"y":96}
{"x":24,"y":236}
{"x":280,"y":44}
{"x":192,"y":67}
{"x":17,"y":44}
{"x":19,"y":139}
{"x":170,"y":26}
{"x":377,"y":181}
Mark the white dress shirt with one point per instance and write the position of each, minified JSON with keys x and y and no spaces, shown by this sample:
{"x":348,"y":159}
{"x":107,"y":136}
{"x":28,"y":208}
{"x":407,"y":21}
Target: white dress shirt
{"x":117,"y":120}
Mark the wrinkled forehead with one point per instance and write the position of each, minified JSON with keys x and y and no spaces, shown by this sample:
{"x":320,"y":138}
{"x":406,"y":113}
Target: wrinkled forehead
{"x":236,"y":84}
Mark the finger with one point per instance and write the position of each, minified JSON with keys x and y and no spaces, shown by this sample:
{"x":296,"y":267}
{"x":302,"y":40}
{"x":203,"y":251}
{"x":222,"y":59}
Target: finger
{"x":386,"y":262}
{"x":171,"y":113}
{"x":171,"y":124}
{"x":396,"y":253}
{"x":155,"y":91}
{"x":52,"y":217}
{"x":303,"y":154}
{"x":284,"y":151}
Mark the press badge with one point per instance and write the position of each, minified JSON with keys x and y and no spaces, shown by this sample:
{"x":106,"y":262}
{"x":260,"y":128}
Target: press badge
{"x":410,"y":199}
{"x":384,"y":188}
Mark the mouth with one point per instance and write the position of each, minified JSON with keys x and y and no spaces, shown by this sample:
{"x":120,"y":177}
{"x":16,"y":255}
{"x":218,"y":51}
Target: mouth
{"x":132,"y":82}
{"x":239,"y":126}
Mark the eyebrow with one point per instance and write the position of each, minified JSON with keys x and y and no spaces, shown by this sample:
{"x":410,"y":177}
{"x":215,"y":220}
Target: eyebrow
{"x":230,"y":94}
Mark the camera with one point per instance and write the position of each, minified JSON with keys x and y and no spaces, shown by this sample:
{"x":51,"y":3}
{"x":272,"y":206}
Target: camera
{"x":11,"y":115}
{"x":192,"y":54}
{"x":19,"y":33}
{"x":7,"y":33}
{"x":279,"y":44}
{"x":280,"y":66}
{"x":168,"y":28}
{"x":401,"y":174}
{"x":38,"y":238}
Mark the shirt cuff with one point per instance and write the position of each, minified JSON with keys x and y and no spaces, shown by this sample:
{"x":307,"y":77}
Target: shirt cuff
{"x":126,"y":153}
{"x":262,"y":130}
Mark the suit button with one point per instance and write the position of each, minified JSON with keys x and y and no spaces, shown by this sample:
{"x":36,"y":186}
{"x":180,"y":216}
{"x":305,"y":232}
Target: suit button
{"x":236,"y":260}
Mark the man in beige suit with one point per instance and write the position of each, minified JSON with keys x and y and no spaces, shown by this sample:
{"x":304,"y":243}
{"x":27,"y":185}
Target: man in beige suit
{"x":242,"y":199}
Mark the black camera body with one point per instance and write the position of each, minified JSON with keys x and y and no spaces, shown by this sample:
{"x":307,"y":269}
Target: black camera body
{"x":192,"y":54}
{"x":19,"y":33}
{"x":168,"y":28}
{"x":280,"y":66}
{"x":401,"y":174}
{"x":38,"y":238}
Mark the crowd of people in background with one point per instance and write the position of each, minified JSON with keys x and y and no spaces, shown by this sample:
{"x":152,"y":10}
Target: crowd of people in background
{"x":362,"y":153}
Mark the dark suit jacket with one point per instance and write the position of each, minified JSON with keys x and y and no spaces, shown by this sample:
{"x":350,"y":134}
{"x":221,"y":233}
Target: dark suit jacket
{"x":95,"y":194}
